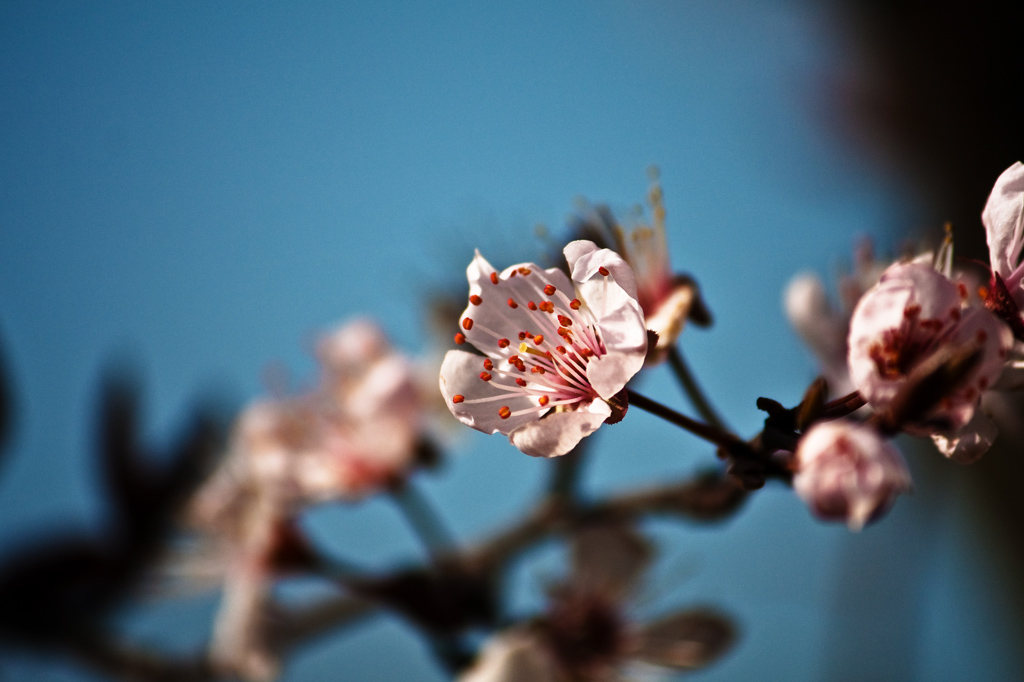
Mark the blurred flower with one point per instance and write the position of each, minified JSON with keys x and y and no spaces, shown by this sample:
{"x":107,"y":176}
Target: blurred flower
{"x":912,"y":316}
{"x":1003,"y":218}
{"x":825,"y":327}
{"x":847,"y":472}
{"x":587,"y":633}
{"x":558,"y":352}
{"x":357,"y":433}
{"x":667,"y":299}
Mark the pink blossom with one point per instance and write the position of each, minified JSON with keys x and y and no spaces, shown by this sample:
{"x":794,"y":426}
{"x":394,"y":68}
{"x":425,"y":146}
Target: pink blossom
{"x":1003,"y":218}
{"x":555,"y":351}
{"x":910,"y":315}
{"x":846,"y":472}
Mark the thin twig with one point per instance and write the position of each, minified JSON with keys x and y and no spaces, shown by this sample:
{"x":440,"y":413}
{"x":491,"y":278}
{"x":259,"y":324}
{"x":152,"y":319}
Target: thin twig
{"x":693,"y":391}
{"x":424,"y":519}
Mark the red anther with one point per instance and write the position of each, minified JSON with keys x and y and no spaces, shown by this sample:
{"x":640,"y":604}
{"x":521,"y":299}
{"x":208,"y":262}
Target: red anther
{"x":512,"y":304}
{"x":513,"y":359}
{"x":544,"y":400}
{"x":524,"y":271}
{"x":531,"y":305}
{"x":458,"y":399}
{"x":549,"y":289}
{"x":512,"y":274}
{"x":488,"y":365}
{"x":547,"y":306}
{"x":911,"y":311}
{"x":586,"y":352}
{"x":603,"y":270}
{"x":485,"y":376}
{"x":535,"y":369}
{"x":564,"y":333}
{"x":503,"y":343}
{"x":983,"y":293}
{"x":962,"y":288}
{"x":467,"y":323}
{"x":575,"y":305}
{"x":521,"y":366}
{"x":460,"y":338}
{"x":564,"y":321}
{"x":521,"y":381}
{"x":504,"y":412}
{"x":561,"y":349}
{"x":494,"y":278}
{"x":475,"y":300}
{"x":522,"y":336}
{"x":539,"y":339}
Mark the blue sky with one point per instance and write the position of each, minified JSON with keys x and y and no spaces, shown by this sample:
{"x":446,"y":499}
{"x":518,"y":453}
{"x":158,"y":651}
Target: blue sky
{"x":203,"y":190}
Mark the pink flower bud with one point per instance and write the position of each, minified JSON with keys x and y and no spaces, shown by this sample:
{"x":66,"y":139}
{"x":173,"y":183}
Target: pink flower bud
{"x":847,"y":472}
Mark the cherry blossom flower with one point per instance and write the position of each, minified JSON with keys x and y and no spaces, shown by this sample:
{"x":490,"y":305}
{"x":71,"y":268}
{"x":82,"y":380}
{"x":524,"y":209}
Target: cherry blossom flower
{"x":667,"y":299}
{"x":847,"y":472}
{"x":1003,"y":218}
{"x":909,"y":317}
{"x":556,"y":352}
{"x":587,"y":632}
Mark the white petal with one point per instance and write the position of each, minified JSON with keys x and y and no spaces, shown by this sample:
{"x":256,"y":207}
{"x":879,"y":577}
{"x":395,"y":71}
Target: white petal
{"x":512,"y":657}
{"x":612,"y":300}
{"x":460,"y":375}
{"x":559,"y":432}
{"x":1003,"y":216}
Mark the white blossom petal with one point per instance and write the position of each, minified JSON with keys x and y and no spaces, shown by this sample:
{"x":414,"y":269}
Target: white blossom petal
{"x":558,"y":432}
{"x":1003,"y":217}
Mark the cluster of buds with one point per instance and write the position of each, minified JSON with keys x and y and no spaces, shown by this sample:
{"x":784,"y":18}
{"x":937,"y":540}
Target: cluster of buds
{"x":922,"y":352}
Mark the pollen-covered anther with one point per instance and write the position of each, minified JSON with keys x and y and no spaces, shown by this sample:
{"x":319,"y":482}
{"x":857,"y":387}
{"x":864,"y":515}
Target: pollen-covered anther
{"x":475,"y":300}
{"x":488,"y":365}
{"x":531,"y":305}
{"x":547,"y":306}
{"x":486,"y":376}
{"x":521,"y":381}
{"x":524,"y":271}
{"x":460,"y":338}
{"x":512,"y":304}
{"x":544,"y":400}
{"x":494,"y":278}
{"x":564,"y":321}
{"x":504,"y":412}
{"x":513,"y":359}
{"x":537,"y":369}
{"x":911,"y":311}
{"x":539,"y":339}
{"x":458,"y":398}
{"x":549,"y":289}
{"x":503,"y":343}
{"x":467,"y":323}
{"x":561,"y":349}
{"x":522,"y":336}
{"x":575,"y":304}
{"x":603,"y":270}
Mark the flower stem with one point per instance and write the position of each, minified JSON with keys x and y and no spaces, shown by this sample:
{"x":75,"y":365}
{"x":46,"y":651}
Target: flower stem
{"x":566,"y":473}
{"x":424,"y":519}
{"x":714,"y":434}
{"x":693,"y":390}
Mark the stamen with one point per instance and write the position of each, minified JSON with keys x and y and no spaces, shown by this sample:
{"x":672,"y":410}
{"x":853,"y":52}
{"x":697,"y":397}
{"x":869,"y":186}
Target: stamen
{"x":603,"y":270}
{"x":488,"y":365}
{"x":531,"y":305}
{"x":460,"y":338}
{"x":475,"y":300}
{"x":458,"y":399}
{"x":521,"y":381}
{"x":544,"y":400}
{"x":524,"y":271}
{"x":467,"y":323}
{"x":575,"y":305}
{"x":494,"y":278}
{"x":539,"y":339}
{"x":522,"y":336}
{"x":503,"y":343}
{"x":549,"y":289}
{"x":561,"y":349}
{"x":564,"y":321}
{"x":504,"y":412}
{"x":512,"y":304}
{"x":485,"y":376}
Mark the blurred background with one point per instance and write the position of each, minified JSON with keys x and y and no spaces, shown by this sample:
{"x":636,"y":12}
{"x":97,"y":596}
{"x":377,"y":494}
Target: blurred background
{"x":198,"y":193}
